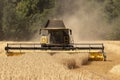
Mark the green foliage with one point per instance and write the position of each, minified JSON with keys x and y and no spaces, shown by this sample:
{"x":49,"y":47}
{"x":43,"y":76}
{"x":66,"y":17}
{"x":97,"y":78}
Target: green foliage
{"x":9,"y":26}
{"x":112,"y":10}
{"x":21,"y":17}
{"x":31,"y":7}
{"x":1,"y":14}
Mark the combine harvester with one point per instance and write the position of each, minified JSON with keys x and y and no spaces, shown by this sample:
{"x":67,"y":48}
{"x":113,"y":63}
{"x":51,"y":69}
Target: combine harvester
{"x":55,"y":38}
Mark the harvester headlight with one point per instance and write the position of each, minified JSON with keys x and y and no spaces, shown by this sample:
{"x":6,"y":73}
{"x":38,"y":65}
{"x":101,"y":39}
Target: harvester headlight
{"x":92,"y":56}
{"x":44,"y":39}
{"x":100,"y":56}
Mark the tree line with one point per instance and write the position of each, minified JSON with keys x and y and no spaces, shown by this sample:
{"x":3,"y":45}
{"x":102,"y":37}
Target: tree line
{"x":21,"y":19}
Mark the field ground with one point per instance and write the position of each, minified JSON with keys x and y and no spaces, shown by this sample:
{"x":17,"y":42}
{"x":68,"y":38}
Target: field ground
{"x":101,"y":68}
{"x":112,"y":50}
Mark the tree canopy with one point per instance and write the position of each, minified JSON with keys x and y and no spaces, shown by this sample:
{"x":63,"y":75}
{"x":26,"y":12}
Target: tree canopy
{"x":21,"y":19}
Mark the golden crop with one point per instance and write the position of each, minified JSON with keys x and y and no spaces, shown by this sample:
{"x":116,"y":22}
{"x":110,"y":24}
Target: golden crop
{"x":43,"y":66}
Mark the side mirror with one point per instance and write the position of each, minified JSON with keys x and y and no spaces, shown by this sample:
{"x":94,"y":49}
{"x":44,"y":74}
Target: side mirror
{"x":40,"y":31}
{"x":70,"y":32}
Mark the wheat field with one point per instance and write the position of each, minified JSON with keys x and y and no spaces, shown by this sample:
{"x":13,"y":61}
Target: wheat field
{"x":44,"y":66}
{"x":33,"y":66}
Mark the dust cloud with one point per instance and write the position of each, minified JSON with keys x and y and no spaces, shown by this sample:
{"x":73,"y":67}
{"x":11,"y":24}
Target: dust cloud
{"x":84,"y":17}
{"x":72,"y":61}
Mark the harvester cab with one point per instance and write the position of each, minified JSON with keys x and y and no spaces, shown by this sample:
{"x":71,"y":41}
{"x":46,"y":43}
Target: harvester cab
{"x":54,"y":38}
{"x":55,"y":35}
